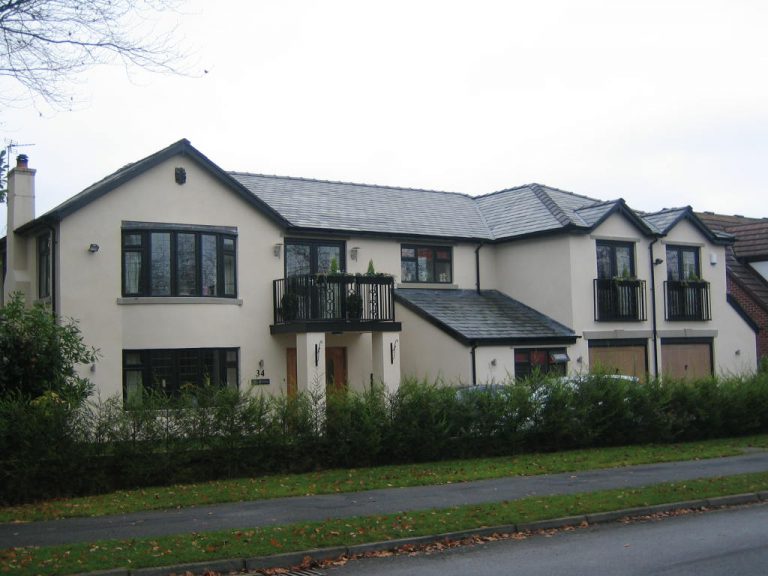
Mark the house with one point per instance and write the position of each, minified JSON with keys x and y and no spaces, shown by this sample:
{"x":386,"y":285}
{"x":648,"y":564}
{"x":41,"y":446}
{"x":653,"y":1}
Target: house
{"x":181,"y":272}
{"x":747,"y":268}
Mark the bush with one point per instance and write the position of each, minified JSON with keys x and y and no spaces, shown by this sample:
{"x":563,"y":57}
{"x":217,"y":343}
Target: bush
{"x":52,"y":447}
{"x":38,"y":354}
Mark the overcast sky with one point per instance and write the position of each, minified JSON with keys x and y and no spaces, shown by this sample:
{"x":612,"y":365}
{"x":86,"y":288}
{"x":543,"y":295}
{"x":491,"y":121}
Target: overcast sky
{"x":660,"y":103}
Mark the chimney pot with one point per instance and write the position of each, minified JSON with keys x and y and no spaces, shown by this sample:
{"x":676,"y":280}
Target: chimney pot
{"x":21,"y":161}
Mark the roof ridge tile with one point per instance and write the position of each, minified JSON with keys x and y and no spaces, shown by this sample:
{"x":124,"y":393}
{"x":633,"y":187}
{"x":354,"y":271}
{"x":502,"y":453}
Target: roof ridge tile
{"x":551,"y":205}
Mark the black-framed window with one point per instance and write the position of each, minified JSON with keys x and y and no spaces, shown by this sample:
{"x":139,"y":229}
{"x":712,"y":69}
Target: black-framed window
{"x":184,"y":262}
{"x":429,"y":264}
{"x":313,"y":257}
{"x":173,"y":371}
{"x":44,"y":266}
{"x":540,"y":360}
{"x":615,"y":259}
{"x":683,"y":263}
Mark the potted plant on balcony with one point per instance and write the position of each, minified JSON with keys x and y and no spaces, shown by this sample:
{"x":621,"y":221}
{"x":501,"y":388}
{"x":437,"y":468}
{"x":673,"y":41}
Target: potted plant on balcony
{"x":289,"y":305}
{"x":354,"y":306}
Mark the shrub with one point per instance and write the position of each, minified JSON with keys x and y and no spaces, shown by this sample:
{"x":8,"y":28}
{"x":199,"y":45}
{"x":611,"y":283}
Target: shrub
{"x":39,"y":354}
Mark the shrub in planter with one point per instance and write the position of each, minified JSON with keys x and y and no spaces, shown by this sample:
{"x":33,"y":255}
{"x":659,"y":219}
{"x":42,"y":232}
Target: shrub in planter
{"x":354,"y":306}
{"x":289,"y":304}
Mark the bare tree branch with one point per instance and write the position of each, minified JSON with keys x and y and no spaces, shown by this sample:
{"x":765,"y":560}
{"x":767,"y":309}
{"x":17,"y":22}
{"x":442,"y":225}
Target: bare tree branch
{"x":45,"y":44}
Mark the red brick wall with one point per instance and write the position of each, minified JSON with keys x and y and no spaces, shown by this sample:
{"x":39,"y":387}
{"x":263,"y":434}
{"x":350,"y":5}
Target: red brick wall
{"x":755,"y":311}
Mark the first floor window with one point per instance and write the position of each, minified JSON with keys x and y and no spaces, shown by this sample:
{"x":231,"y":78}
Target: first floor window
{"x":682,"y":263}
{"x":530,"y":361}
{"x":172,"y":372}
{"x":179,"y":263}
{"x":615,"y":259}
{"x":430,"y":264}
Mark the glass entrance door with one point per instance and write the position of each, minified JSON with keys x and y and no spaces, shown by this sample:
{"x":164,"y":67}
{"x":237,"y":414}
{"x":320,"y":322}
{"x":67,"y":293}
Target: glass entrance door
{"x":312,"y":257}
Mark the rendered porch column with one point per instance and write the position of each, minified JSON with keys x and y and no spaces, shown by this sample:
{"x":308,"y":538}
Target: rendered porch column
{"x":386,"y":359}
{"x":310,"y":362}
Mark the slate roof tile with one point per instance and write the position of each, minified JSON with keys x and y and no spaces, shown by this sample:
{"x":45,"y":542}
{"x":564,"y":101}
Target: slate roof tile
{"x":490,"y":315}
{"x":368,"y":208}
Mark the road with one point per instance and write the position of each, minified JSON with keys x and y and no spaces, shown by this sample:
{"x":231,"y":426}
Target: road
{"x":388,"y":501}
{"x":731,"y":541}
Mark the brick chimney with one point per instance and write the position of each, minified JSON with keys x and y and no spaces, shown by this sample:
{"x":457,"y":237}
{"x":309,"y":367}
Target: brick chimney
{"x":21,"y":209}
{"x":21,"y":194}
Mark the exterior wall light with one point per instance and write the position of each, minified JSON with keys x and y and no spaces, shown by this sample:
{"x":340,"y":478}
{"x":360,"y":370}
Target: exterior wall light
{"x":277,"y":249}
{"x":93,"y":248}
{"x":353,"y":253}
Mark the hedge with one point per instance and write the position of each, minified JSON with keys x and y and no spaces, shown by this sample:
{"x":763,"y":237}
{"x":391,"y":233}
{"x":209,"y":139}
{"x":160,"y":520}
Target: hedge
{"x":50,"y":448}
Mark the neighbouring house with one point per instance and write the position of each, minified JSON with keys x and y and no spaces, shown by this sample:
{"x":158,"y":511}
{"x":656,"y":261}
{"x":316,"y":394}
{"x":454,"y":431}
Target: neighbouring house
{"x":183,"y":273}
{"x":747,"y":268}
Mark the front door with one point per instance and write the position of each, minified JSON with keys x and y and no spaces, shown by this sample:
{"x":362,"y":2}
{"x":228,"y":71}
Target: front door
{"x":292,"y":386}
{"x":335,"y":368}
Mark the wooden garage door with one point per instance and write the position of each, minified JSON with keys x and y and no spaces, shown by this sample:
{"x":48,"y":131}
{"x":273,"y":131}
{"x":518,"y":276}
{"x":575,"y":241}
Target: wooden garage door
{"x":630,"y":359}
{"x":686,"y":360}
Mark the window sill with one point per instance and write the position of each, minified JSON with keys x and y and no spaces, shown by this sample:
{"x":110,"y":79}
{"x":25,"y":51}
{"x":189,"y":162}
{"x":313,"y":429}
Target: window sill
{"x":431,"y":285}
{"x":179,"y":300}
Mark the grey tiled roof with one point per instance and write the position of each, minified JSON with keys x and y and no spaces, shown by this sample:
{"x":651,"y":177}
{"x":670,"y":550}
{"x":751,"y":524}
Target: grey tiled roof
{"x":316,"y":205}
{"x":366,"y":208}
{"x":665,"y":219}
{"x":530,"y":209}
{"x":591,"y":215}
{"x":488,"y":316}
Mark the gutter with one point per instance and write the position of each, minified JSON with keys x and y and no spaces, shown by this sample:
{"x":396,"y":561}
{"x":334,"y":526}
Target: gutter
{"x":54,"y":244}
{"x":474,"y":364}
{"x":653,"y":308}
{"x":477,"y":267}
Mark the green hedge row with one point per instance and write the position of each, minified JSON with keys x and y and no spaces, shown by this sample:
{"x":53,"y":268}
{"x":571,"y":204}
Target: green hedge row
{"x":49,"y":448}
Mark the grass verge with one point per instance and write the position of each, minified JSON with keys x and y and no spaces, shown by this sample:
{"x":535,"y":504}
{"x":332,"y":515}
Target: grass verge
{"x":353,"y":480}
{"x":247,"y":543}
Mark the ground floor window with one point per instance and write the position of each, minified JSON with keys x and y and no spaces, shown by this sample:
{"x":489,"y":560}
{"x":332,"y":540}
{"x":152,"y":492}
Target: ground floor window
{"x":540,"y":360}
{"x":172,"y":371}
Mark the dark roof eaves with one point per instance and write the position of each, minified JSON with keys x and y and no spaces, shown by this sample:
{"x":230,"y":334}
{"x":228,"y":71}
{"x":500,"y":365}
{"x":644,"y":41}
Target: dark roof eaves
{"x":687,"y":213}
{"x":743,"y":313}
{"x":181,"y":147}
{"x":752,"y":294}
{"x":347,"y":233}
{"x":621,"y":206}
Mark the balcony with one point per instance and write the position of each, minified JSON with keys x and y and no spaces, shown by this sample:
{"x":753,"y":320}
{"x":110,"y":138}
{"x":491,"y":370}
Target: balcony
{"x":619,"y":300}
{"x":334,"y":303}
{"x":688,"y":300}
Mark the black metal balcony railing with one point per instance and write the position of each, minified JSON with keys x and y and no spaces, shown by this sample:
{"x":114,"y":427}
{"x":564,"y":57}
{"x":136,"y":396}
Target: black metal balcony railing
{"x":618,"y":299}
{"x":687,"y":300}
{"x":334,"y":298}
